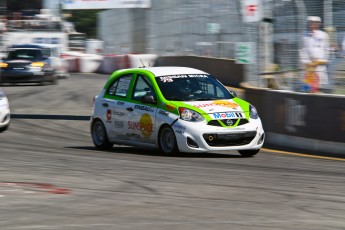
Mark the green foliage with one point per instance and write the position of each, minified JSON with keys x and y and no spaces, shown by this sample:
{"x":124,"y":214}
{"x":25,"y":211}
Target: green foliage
{"x":85,"y":21}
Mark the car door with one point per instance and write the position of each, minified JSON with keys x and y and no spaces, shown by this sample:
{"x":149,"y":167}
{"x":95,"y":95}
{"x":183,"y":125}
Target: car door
{"x":115,"y":104}
{"x":140,"y":116}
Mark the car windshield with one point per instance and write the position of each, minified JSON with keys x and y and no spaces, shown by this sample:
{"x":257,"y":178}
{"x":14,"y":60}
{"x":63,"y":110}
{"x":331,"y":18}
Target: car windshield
{"x":25,"y":54}
{"x":192,"y":87}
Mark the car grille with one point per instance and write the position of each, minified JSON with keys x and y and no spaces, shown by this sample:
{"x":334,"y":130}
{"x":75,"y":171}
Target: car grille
{"x":18,"y":65}
{"x":225,"y":122}
{"x":229,"y":139}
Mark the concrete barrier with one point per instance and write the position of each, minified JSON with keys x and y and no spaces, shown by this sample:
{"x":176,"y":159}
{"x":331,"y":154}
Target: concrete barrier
{"x":112,"y":62}
{"x":108,"y":64}
{"x":81,"y":62}
{"x":313,"y":122}
{"x":226,"y":70}
{"x":90,"y":63}
{"x":142,"y":60}
{"x":71,"y":61}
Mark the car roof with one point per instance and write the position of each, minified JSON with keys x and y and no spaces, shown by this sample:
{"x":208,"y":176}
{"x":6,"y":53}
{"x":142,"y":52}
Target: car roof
{"x":172,"y":70}
{"x":28,"y":46}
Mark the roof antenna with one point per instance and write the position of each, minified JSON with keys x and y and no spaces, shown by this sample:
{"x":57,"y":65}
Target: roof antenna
{"x":142,"y":63}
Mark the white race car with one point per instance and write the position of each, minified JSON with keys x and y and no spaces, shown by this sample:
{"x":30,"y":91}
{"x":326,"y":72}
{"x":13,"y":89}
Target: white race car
{"x":4,"y":112}
{"x":175,"y":109}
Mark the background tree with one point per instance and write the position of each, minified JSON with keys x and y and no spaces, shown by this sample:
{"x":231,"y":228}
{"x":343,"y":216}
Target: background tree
{"x":85,"y":21}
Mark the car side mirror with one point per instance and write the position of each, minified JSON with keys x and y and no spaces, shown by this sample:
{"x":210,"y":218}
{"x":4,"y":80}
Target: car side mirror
{"x":148,"y":100}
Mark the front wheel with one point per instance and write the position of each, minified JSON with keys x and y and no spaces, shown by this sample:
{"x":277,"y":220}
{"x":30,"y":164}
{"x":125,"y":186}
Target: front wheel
{"x":249,"y":153}
{"x":99,"y":136}
{"x":167,"y":141}
{"x":3,"y":129}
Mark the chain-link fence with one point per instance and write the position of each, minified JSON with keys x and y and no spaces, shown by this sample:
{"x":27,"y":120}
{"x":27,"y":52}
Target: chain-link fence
{"x":214,"y":28}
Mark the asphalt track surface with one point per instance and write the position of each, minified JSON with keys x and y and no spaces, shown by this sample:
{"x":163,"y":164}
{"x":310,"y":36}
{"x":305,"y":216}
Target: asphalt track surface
{"x":51,"y":177}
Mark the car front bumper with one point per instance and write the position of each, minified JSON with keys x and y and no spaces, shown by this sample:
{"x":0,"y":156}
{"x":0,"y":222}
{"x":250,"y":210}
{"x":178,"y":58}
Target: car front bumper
{"x":4,"y":115}
{"x":23,"y":76}
{"x":200,"y":137}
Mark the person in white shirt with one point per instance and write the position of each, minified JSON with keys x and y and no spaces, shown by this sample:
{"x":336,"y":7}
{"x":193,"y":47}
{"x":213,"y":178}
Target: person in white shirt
{"x":315,"y":52}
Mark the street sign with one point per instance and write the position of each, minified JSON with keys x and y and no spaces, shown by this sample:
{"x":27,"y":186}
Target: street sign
{"x":245,"y":53}
{"x":213,"y":28}
{"x":252,"y":10}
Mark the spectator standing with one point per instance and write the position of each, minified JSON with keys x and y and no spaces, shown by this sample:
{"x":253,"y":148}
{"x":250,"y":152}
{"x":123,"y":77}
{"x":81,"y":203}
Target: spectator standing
{"x":315,"y":55}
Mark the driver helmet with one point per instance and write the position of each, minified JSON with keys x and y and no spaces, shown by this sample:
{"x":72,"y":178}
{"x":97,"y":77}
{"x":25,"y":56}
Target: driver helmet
{"x":186,"y":87}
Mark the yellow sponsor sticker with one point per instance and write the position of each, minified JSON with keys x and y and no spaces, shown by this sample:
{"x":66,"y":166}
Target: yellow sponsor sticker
{"x":146,"y":126}
{"x":227,"y":104}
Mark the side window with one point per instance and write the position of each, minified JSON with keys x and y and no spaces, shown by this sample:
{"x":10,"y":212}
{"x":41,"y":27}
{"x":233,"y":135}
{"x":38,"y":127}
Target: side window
{"x":120,"y":86}
{"x":214,"y":90}
{"x":46,"y":52}
{"x":142,"y":88}
{"x":220,"y":92}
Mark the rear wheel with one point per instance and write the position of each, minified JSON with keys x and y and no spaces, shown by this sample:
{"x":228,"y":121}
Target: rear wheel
{"x":99,"y":135}
{"x":249,"y":153}
{"x":167,"y":140}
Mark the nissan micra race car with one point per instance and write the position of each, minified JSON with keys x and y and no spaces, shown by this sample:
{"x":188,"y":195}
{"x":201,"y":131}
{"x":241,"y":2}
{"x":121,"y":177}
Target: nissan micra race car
{"x":174,"y":109}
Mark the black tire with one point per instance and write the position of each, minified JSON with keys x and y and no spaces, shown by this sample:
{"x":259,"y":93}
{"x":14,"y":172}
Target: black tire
{"x":249,"y":153}
{"x":54,"y":81}
{"x":43,"y":83}
{"x":3,"y":129}
{"x":167,"y":141}
{"x":99,"y":136}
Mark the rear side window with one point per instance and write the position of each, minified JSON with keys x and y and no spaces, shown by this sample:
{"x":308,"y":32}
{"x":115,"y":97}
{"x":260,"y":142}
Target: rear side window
{"x":120,"y":86}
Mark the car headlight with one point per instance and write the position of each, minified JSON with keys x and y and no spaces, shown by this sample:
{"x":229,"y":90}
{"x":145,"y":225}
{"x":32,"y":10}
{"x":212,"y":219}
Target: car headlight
{"x":253,"y":113}
{"x":190,"y":115}
{"x":3,"y":65}
{"x":37,"y":64}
